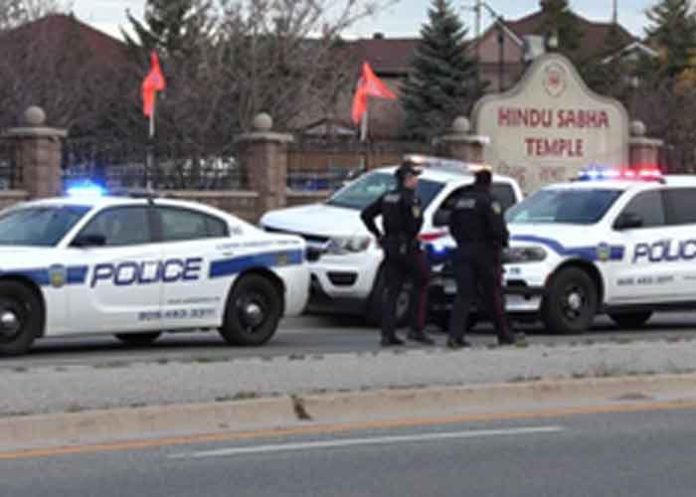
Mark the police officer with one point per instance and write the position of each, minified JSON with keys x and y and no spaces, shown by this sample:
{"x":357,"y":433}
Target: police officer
{"x":477,"y":224}
{"x":402,"y":218}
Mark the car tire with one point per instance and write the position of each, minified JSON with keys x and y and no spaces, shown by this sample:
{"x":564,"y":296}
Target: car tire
{"x":571,"y":302}
{"x":376,"y":303}
{"x":138,"y":339}
{"x":21,"y":318}
{"x":628,"y":320}
{"x":254,"y":308}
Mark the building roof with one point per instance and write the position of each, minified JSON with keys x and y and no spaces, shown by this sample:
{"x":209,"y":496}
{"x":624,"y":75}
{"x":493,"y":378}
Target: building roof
{"x":387,"y":56}
{"x":593,"y":34}
{"x":57,"y":29}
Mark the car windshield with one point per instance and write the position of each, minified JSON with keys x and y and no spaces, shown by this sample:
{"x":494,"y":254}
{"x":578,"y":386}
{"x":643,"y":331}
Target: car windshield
{"x":366,"y":189}
{"x":39,"y":226}
{"x":567,"y":206}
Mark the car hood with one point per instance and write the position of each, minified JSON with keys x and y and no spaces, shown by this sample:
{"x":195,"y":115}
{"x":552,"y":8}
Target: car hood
{"x":565,"y":235}
{"x":14,"y":258}
{"x":557,"y":237}
{"x":316,"y":219}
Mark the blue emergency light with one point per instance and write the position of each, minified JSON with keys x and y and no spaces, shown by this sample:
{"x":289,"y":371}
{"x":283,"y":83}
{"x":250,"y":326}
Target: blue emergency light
{"x":600,"y":173}
{"x":85,"y":189}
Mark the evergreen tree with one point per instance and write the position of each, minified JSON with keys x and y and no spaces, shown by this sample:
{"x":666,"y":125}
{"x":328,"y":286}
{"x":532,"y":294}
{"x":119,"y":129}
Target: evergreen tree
{"x":606,"y":72}
{"x":559,"y":22}
{"x":175,"y":28}
{"x":673,"y":30}
{"x":444,"y":81}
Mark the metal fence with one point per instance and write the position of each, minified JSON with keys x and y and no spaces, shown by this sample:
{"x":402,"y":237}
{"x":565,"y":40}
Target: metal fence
{"x":10,"y":174}
{"x":332,"y":179}
{"x":164,"y":166}
{"x":319,"y":165}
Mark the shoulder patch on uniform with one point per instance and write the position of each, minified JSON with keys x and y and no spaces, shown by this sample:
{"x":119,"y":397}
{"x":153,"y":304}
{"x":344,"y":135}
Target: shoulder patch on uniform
{"x":392,"y":198}
{"x":496,"y":208}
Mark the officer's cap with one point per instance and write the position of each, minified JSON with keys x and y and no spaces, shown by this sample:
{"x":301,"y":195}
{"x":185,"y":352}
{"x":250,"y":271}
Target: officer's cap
{"x":408,"y":167}
{"x":483,"y":173}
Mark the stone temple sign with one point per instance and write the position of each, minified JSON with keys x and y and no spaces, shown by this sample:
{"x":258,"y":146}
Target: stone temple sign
{"x":551,"y":125}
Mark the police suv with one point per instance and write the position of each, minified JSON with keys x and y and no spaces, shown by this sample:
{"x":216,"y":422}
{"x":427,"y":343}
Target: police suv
{"x":344,"y":259}
{"x":615,"y":242}
{"x":135,"y":267}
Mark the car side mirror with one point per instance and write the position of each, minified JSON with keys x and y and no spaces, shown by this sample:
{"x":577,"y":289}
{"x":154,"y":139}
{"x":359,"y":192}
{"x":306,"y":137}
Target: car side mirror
{"x":89,"y":240}
{"x":628,"y":220}
{"x":441,"y":217}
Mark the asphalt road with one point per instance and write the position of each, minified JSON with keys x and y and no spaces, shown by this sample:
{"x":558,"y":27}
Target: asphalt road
{"x":316,"y":335}
{"x":638,"y":454}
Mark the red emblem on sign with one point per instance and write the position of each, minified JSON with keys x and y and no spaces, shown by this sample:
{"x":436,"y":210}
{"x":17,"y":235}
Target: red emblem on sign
{"x":555,"y":80}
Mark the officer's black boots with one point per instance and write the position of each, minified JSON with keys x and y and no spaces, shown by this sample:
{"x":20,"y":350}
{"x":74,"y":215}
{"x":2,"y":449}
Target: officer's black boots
{"x":391,"y":341}
{"x":420,"y":337}
{"x":513,"y":339}
{"x":457,"y":343}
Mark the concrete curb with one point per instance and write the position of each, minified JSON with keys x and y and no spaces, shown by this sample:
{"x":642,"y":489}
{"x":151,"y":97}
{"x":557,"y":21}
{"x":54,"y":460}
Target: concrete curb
{"x":404,"y":405}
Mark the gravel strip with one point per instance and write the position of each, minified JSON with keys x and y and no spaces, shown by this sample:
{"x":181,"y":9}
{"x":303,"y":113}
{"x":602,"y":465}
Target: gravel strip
{"x":75,"y":388}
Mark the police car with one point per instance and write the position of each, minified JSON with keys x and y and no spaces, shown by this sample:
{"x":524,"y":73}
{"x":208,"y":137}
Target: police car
{"x":344,"y":258}
{"x":615,"y":242}
{"x":135,"y":267}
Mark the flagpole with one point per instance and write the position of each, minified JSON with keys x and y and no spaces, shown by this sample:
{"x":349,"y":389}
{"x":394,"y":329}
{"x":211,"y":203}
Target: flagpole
{"x":363,"y":125}
{"x":149,"y":165}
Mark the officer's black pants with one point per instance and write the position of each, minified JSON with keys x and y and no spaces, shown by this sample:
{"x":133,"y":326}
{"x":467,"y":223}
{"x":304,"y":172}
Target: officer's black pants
{"x":399,"y":268}
{"x":478,"y":269}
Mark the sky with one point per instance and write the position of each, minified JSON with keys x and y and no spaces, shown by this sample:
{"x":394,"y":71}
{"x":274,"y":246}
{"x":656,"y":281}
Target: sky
{"x":402,"y":20}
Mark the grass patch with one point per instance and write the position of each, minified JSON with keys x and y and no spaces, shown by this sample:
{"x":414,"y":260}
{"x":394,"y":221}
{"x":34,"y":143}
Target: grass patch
{"x":110,"y":365}
{"x":243,"y":395}
{"x":74,"y":408}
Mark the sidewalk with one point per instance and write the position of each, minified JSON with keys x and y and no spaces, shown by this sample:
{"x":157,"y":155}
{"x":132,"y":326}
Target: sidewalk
{"x":109,"y":385}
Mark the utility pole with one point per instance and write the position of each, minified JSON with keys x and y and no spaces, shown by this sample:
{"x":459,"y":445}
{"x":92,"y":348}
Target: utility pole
{"x":477,"y":11}
{"x":615,"y":13}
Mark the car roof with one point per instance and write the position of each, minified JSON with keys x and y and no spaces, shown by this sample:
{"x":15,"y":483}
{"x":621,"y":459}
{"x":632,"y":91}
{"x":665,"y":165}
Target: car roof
{"x":627,"y":184}
{"x":447,"y":175}
{"x":112,"y":201}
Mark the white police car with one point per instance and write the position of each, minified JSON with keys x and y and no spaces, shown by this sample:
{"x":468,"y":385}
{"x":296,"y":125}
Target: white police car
{"x":344,"y":258}
{"x":615,"y":242}
{"x":138,"y":266}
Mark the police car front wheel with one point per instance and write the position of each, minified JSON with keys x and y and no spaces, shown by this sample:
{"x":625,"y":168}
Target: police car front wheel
{"x":20,"y":317}
{"x":571,"y":302}
{"x":254,"y":309}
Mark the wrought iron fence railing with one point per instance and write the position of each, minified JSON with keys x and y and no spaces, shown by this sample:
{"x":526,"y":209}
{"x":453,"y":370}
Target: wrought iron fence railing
{"x":312,"y":180}
{"x":164,"y":166}
{"x":10,"y":174}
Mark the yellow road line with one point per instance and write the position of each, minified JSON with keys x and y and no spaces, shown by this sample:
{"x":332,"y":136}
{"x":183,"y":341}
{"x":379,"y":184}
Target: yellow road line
{"x":326,"y":429}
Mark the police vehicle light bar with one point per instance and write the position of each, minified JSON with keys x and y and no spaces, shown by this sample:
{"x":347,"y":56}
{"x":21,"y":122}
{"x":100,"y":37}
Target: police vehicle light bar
{"x":443,"y":164}
{"x":85,"y":189}
{"x":599,"y":173}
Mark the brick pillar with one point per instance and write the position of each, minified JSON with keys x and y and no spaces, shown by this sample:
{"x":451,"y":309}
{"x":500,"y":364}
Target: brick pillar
{"x":38,"y":154}
{"x":643,"y":151}
{"x":264,"y":157}
{"x":461,"y":144}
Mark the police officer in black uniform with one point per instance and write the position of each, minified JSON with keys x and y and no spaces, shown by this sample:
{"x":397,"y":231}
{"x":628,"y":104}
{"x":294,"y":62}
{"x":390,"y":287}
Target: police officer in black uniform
{"x":478,"y":226}
{"x":402,"y":218}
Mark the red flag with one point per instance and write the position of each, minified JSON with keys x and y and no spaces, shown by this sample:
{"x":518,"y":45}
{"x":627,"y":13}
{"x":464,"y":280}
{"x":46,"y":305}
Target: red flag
{"x":369,"y":85}
{"x":153,"y":82}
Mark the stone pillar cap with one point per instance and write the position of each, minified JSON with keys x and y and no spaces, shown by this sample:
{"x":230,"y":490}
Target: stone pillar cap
{"x":34,"y":117}
{"x":638,"y":128}
{"x":263,"y":122}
